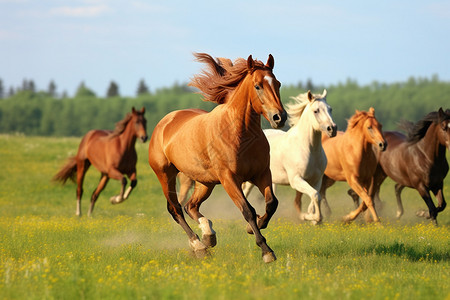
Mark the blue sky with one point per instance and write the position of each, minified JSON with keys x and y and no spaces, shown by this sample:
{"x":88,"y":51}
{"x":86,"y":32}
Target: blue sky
{"x":97,"y":41}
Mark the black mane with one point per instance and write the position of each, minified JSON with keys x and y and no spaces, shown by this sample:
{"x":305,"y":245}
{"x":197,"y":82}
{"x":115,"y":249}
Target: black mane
{"x":415,"y":132}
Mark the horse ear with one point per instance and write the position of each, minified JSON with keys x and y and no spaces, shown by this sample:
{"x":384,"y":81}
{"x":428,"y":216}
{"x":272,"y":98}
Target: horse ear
{"x":133,"y":110}
{"x":441,"y":114}
{"x":441,"y":118}
{"x":270,"y":62}
{"x":250,"y":62}
{"x":143,"y":110}
{"x":372,"y":111}
{"x":310,"y":96}
{"x":324,"y":94}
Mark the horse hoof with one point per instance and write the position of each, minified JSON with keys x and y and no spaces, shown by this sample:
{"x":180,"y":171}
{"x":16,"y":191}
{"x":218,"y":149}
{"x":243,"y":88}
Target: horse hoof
{"x":209,"y":240}
{"x":196,"y":245}
{"x":115,"y":200}
{"x":346,"y":220}
{"x":315,"y":222}
{"x":423,"y":213}
{"x":269,"y":257}
{"x":201,"y":253}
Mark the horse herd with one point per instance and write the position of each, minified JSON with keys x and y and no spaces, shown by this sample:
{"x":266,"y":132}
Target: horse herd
{"x":227,"y":146}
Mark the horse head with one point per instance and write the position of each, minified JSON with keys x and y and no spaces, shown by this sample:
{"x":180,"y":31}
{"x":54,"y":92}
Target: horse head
{"x":140,"y":124}
{"x":265,"y":92}
{"x":444,"y":122}
{"x":322,"y":113}
{"x":373,"y":130}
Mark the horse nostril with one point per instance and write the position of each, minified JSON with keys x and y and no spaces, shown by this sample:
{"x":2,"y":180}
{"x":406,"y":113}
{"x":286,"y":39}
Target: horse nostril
{"x":276,"y":117}
{"x":329,"y":129}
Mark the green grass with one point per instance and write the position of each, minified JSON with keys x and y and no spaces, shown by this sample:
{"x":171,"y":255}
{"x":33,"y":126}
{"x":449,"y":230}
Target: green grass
{"x":135,"y":250}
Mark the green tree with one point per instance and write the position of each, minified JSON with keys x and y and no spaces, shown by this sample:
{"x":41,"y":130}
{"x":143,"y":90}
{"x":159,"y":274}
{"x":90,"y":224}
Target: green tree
{"x":142,"y":88}
{"x":52,"y":89}
{"x":83,"y":91}
{"x":2,"y":90}
{"x":113,"y":90}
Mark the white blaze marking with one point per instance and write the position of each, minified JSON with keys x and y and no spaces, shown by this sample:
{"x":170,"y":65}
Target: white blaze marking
{"x":269,"y":80}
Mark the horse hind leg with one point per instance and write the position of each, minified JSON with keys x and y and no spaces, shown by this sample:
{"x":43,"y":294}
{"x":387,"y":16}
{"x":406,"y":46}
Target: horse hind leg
{"x":192,"y":207}
{"x":398,"y":190}
{"x":101,"y":185}
{"x":167,"y":179}
{"x":82,"y":167}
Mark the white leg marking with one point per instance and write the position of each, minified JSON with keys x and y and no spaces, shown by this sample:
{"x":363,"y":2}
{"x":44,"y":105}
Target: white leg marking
{"x":206,"y":226}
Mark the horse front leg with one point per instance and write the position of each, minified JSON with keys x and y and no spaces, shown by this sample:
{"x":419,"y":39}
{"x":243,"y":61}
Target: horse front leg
{"x":265,"y":186}
{"x":432,"y":210}
{"x":314,"y":214}
{"x":116,"y":174}
{"x":133,"y":184}
{"x":440,"y":198}
{"x":233,"y":188}
{"x":367,"y":201}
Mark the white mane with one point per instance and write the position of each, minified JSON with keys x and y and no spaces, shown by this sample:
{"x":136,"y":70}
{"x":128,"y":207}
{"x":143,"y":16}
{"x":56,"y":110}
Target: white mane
{"x":295,"y":109}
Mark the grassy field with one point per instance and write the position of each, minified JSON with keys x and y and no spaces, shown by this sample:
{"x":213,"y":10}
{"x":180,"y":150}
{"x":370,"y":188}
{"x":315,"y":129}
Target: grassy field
{"x":135,"y":250}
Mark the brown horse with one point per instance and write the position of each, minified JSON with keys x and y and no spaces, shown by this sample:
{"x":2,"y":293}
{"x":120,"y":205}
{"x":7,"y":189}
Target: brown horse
{"x":225,"y":146}
{"x":351,"y":158}
{"x":112,"y":153}
{"x":417,"y":161}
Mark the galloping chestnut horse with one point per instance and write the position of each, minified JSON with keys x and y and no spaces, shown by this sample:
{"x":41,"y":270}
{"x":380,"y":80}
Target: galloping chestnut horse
{"x":225,"y":146}
{"x":112,"y":153}
{"x":351,"y":158}
{"x":417,"y":161}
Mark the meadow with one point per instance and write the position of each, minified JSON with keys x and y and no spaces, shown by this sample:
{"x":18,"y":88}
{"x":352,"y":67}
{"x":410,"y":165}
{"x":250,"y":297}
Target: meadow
{"x":135,"y":250}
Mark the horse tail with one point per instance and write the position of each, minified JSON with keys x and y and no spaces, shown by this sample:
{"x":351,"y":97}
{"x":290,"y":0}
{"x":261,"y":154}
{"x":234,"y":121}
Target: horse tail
{"x":68,"y":171}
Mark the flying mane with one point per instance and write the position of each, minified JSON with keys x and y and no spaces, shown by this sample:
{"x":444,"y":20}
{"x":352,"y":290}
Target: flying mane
{"x":120,"y":126}
{"x":221,"y":76}
{"x":418,"y":130}
{"x":296,"y":109}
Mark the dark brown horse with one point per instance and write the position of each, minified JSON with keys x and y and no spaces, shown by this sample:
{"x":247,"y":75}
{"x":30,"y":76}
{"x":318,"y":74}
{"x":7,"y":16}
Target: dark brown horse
{"x":225,"y":146}
{"x":417,"y":161}
{"x":112,"y":153}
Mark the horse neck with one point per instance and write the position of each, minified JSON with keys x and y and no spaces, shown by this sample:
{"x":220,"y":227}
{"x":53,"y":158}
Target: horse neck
{"x":242,"y":115}
{"x":430,"y":144}
{"x":127,"y":138}
{"x":304,"y":131}
{"x":363,"y":146}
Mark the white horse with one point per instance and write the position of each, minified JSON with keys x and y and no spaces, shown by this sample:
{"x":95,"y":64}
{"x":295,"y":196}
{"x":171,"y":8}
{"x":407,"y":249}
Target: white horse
{"x":296,"y":156}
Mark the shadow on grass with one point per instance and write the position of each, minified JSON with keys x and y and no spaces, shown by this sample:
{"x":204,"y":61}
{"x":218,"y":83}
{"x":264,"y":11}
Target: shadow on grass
{"x":401,"y":250}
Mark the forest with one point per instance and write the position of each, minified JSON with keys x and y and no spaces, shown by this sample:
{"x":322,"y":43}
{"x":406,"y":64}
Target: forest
{"x":41,"y":113}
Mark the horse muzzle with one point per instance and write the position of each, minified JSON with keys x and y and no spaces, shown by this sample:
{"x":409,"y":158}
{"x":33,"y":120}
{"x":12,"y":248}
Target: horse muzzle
{"x":331,"y":130}
{"x":278,"y":120}
{"x":143,"y":138}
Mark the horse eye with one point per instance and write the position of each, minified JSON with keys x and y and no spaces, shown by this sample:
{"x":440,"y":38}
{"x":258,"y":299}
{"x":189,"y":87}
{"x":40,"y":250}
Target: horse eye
{"x":257,"y":87}
{"x":370,"y":127}
{"x":316,"y":111}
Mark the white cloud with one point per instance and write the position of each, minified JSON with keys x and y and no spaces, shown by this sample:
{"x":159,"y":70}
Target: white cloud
{"x":80,"y":11}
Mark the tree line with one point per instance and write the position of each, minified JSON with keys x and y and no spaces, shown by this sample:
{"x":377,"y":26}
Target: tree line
{"x":42,"y":113}
{"x":29,"y":85}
